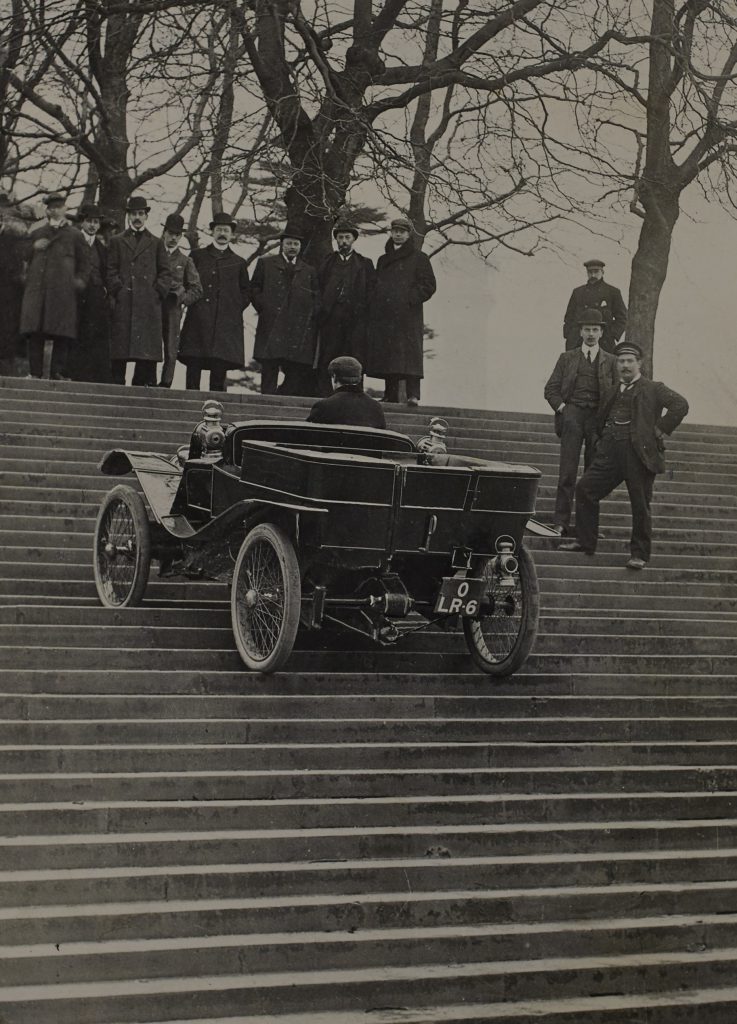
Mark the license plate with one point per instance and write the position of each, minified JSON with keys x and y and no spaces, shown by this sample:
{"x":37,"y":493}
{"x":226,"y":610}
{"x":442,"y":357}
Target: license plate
{"x":460,"y":596}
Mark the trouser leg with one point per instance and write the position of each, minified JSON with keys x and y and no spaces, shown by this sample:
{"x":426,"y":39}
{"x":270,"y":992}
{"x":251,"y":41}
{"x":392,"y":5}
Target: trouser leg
{"x":144,"y":374}
{"x":194,"y":372}
{"x":605,"y":473}
{"x":217,"y":376}
{"x":639,"y":482}
{"x":299,"y":379}
{"x":36,"y":355}
{"x":391,"y":387}
{"x":169,"y":310}
{"x":59,"y":358}
{"x":269,"y":376}
{"x":590,"y":437}
{"x":413,"y":387}
{"x":117,"y":370}
{"x":571,"y":439}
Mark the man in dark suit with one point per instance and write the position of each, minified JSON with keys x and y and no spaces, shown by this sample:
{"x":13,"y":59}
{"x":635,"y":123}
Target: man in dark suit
{"x":89,"y":358}
{"x":631,"y":424}
{"x":138,"y":281}
{"x":596,"y":294}
{"x":573,"y":391}
{"x":348,"y":403}
{"x":346,"y":287}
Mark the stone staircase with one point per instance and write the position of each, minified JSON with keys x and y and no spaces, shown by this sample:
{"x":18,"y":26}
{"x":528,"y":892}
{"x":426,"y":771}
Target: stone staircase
{"x":371,"y":835}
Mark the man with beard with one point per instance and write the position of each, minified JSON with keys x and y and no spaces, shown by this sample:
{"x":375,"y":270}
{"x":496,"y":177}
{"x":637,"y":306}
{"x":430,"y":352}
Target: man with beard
{"x":89,"y":359}
{"x":595,"y":294}
{"x":346,"y":286}
{"x":631,"y":426}
{"x":58,"y":271}
{"x":138,"y":281}
{"x":212,"y":336}
{"x":286,"y":295}
{"x":404,"y":280}
{"x":185,"y":289}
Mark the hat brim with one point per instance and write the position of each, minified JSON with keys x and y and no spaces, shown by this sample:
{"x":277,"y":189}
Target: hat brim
{"x":218,"y":224}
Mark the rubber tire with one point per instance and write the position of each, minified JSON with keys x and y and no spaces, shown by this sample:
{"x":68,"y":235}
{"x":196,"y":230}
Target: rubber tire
{"x":529,"y":618}
{"x":142,"y":535}
{"x":277,"y":539}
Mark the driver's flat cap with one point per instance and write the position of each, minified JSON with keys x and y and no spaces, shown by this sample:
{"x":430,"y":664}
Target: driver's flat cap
{"x":347,"y":369}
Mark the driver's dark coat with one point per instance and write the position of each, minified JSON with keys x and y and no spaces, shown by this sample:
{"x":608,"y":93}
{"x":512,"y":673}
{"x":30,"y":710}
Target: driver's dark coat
{"x":649,"y":399}
{"x":348,"y":405}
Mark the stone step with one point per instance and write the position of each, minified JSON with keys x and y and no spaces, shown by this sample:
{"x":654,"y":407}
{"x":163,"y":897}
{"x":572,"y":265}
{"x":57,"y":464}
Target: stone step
{"x":367,"y":987}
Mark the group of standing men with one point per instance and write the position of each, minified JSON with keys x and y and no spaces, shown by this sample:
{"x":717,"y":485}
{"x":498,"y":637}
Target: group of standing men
{"x":141,"y":299}
{"x":603,"y":404}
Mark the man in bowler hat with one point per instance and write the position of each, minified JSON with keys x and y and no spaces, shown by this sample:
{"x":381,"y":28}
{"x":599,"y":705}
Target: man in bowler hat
{"x":346,"y":287}
{"x":89,"y":358}
{"x":185,"y":289}
{"x":573,"y":391}
{"x":634,"y":415}
{"x":286,"y":294}
{"x":595,"y":294}
{"x":138,"y":281}
{"x":212,"y":335}
{"x":348,"y":403}
{"x":57,"y":273}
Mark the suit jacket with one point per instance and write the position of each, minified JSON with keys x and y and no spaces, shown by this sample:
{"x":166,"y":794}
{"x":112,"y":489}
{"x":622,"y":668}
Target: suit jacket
{"x":562,"y":380}
{"x":597,"y":295}
{"x":649,"y":399}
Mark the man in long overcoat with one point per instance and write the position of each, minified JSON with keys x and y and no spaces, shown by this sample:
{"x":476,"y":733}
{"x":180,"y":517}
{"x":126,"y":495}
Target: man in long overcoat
{"x":89,"y":358}
{"x":185,"y":290}
{"x":212,"y":336}
{"x":286,"y":294}
{"x":578,"y":381}
{"x":634,"y":415}
{"x":138,"y":281}
{"x":58,"y":271}
{"x":13,"y":236}
{"x":404,"y":280}
{"x":346,"y":288}
{"x":595,"y":294}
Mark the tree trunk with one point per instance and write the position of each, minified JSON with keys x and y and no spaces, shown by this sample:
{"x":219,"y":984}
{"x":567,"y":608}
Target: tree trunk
{"x":650,"y":266}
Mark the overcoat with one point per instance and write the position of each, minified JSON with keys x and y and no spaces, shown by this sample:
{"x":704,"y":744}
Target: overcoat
{"x":649,"y":399}
{"x":287,"y":300}
{"x":13,"y":240}
{"x":185,"y":290}
{"x":562,"y":381}
{"x":89,"y":359}
{"x":345,"y":300}
{"x":595,"y":295}
{"x":55,"y":276}
{"x":348,"y":404}
{"x":213,"y":325}
{"x":404,"y":280}
{"x":138,"y":280}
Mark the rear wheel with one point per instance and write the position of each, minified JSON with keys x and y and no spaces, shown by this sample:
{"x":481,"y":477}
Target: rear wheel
{"x":265,"y":598}
{"x":501,"y":637}
{"x":122,"y":548}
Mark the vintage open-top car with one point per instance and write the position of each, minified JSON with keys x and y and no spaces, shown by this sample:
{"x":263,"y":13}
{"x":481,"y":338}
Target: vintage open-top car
{"x":329,"y":525}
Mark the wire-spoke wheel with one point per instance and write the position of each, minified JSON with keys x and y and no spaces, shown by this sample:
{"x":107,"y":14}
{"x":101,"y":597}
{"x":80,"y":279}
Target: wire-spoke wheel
{"x":501,"y":637}
{"x":265,"y":598}
{"x":122,"y":551}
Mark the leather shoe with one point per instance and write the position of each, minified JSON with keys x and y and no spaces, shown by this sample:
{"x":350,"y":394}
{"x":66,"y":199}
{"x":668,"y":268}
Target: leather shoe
{"x":636,"y":563}
{"x":573,"y":545}
{"x":560,"y":530}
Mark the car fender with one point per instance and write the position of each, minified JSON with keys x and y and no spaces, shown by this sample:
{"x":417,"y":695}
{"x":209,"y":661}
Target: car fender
{"x":158,"y":476}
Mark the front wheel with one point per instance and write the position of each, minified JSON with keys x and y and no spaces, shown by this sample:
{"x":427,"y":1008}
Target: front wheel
{"x":122,"y":548}
{"x":265,"y":598}
{"x":501,"y":637}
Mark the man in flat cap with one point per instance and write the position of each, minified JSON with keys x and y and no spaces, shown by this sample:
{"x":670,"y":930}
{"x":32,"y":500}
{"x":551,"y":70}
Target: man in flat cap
{"x":346,"y":288}
{"x":89,"y":358}
{"x":58,"y":271}
{"x":138,"y":281}
{"x":185,"y":289}
{"x":286,"y":295}
{"x":212,"y":336}
{"x":595,"y":294}
{"x":404,"y":281}
{"x":634,"y":414}
{"x":348,"y":404}
{"x":573,"y":391}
